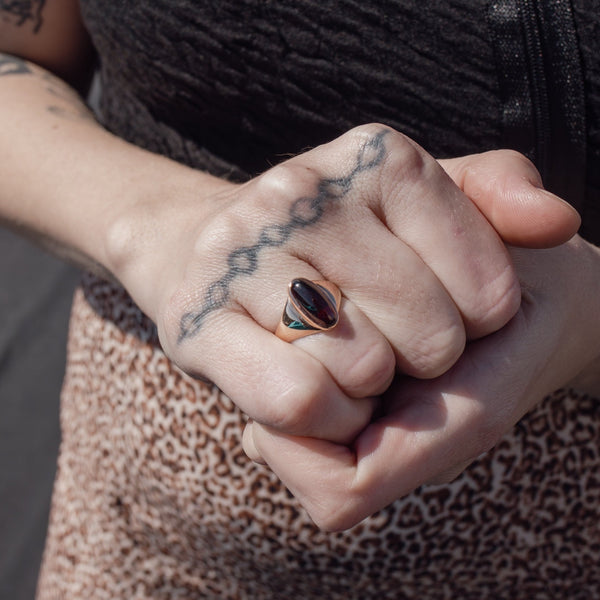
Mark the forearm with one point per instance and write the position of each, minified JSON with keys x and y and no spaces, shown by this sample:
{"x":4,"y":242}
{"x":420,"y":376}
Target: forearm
{"x":67,"y":182}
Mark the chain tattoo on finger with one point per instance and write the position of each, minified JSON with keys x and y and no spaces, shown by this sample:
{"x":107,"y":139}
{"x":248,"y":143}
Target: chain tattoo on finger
{"x":304,"y":212}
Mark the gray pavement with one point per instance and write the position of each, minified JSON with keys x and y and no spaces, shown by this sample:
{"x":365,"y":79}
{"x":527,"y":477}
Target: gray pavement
{"x":35,"y":297}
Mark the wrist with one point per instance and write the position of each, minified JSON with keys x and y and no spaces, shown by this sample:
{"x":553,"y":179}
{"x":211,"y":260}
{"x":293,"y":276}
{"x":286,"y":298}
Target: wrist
{"x":147,"y":235}
{"x":84,"y":193}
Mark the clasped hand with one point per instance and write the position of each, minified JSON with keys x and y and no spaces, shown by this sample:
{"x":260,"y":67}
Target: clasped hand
{"x":419,"y":376}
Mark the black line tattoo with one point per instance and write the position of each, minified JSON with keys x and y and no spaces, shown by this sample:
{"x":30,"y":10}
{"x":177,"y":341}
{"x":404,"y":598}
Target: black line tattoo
{"x":20,"y":12}
{"x":70,"y":104}
{"x":304,"y":212}
{"x":12,"y":65}
{"x":71,"y":113}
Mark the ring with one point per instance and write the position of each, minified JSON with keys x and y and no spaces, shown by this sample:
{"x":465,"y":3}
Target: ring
{"x":312,"y":306}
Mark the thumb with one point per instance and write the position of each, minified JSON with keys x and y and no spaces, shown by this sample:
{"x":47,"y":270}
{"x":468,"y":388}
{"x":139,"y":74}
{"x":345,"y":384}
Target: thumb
{"x":508,"y":190}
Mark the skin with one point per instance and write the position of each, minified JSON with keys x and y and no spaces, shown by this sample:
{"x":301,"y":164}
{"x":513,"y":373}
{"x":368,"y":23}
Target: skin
{"x":431,"y":430}
{"x":433,"y":298}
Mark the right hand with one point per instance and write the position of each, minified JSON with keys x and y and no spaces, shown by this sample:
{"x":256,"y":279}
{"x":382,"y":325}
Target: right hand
{"x":420,"y":268}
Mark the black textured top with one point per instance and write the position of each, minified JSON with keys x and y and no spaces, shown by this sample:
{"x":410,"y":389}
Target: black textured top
{"x":234,"y":87}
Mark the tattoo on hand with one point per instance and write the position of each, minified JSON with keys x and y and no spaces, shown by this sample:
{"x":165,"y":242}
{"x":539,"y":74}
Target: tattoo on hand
{"x":303,"y":212}
{"x":19,"y":12}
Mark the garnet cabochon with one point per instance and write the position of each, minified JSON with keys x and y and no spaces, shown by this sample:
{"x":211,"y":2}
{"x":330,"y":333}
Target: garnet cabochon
{"x":315,"y":305}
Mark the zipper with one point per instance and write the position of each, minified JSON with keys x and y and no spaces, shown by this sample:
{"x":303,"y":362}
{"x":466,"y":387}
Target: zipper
{"x":541,"y":88}
{"x":540,"y":104}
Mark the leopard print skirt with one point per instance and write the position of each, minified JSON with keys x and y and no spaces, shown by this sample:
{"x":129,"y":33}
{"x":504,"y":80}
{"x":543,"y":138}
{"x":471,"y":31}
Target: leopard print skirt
{"x":154,"y":497}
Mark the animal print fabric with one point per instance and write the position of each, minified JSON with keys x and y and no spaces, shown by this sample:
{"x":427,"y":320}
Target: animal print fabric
{"x":154,"y":497}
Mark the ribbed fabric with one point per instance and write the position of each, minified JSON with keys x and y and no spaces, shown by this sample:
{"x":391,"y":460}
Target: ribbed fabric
{"x":587,"y":16}
{"x":587,"y":19}
{"x":234,"y":86}
{"x":542,"y":90}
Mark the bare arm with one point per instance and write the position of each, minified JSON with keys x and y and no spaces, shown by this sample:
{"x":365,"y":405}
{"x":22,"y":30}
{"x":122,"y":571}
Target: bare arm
{"x":65,"y":180}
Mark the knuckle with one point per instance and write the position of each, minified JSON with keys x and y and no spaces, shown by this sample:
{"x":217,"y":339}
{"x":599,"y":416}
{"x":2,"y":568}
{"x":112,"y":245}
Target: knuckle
{"x":483,"y":172}
{"x":297,"y":410}
{"x":405,"y":160}
{"x":496,"y":303}
{"x":224,"y":230}
{"x":372,"y":371}
{"x":365,"y":133}
{"x":404,"y":172}
{"x":287,"y":180}
{"x":395,"y":162}
{"x":518,"y":157}
{"x":433,"y":354}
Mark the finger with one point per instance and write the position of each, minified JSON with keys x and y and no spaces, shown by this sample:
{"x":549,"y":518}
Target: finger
{"x":248,"y":445}
{"x":398,"y":293}
{"x":508,"y":190}
{"x":421,"y":441}
{"x":272,"y":381}
{"x":417,"y":201}
{"x":355,"y":353}
{"x":430,"y":430}
{"x":248,"y":287}
{"x":425,"y":209}
{"x":400,"y":302}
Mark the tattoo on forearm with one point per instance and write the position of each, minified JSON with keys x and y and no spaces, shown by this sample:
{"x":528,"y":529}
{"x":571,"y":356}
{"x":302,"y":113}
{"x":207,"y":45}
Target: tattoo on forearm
{"x":71,"y":113}
{"x":303,"y":212}
{"x":66,"y":102}
{"x":12,"y":65}
{"x":19,"y":12}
